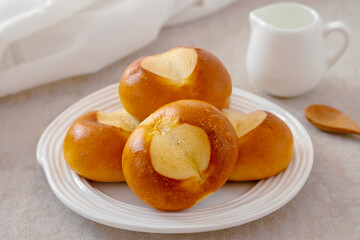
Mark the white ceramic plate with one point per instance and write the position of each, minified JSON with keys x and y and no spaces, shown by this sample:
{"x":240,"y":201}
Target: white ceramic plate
{"x":114,"y":204}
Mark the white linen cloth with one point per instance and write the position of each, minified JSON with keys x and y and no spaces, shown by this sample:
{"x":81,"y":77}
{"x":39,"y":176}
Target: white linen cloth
{"x":46,"y":40}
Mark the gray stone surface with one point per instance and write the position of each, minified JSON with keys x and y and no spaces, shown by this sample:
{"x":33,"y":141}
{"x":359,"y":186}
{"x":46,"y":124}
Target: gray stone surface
{"x":328,"y":206}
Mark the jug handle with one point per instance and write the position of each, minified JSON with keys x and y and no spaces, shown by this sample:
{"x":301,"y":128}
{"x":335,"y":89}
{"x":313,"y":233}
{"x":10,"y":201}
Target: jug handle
{"x":337,"y":27}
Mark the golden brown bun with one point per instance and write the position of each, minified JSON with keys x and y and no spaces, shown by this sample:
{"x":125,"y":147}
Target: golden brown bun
{"x":94,"y":150}
{"x":142,"y":92}
{"x":169,"y":193}
{"x":265,"y":150}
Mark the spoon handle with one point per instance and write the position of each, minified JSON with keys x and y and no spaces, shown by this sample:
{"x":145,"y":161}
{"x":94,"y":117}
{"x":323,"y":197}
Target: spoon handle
{"x":353,"y":127}
{"x":356,"y":131}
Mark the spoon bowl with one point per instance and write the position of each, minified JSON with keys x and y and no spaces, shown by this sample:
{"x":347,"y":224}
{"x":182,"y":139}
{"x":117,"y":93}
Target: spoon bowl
{"x":330,"y":119}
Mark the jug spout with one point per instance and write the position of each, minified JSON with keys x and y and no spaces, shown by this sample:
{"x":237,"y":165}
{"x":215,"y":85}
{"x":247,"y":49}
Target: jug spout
{"x":254,"y":19}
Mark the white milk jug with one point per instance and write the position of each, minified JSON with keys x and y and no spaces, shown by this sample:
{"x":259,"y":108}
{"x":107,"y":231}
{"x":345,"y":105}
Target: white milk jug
{"x":287,"y":54}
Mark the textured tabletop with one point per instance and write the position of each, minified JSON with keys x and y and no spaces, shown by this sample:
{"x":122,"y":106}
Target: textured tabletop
{"x":327,"y":207}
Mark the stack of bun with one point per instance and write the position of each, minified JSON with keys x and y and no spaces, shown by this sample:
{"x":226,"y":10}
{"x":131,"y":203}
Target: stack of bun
{"x":176,"y":142}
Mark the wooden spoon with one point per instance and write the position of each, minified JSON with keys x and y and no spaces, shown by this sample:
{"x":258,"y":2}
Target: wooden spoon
{"x":331,"y":120}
